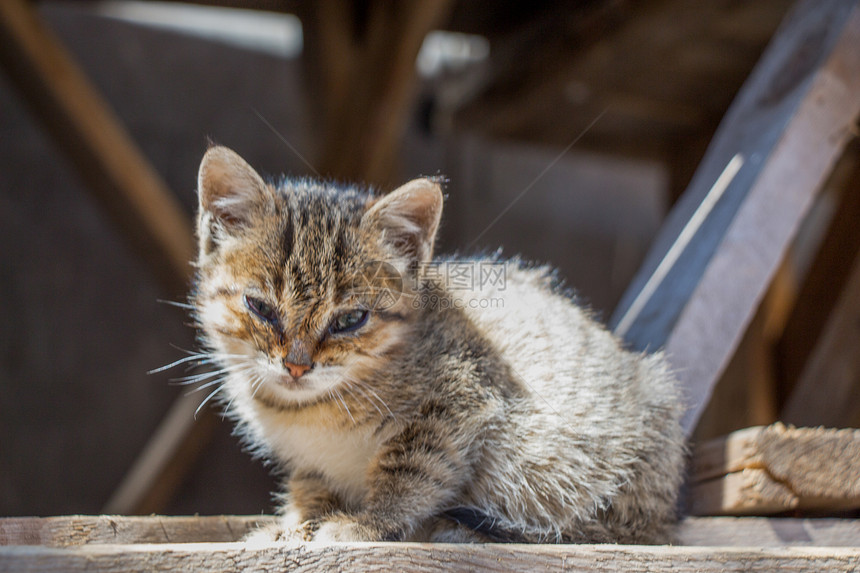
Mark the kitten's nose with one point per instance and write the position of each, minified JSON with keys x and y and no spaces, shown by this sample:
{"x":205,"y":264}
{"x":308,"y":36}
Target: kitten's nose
{"x":296,"y":370}
{"x":298,"y":360}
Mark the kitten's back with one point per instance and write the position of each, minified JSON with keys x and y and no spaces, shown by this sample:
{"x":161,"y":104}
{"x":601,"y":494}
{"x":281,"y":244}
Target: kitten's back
{"x":588,"y":395}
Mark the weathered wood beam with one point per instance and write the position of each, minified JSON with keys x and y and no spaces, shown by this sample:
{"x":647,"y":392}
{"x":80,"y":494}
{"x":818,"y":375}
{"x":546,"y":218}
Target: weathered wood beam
{"x":819,"y":293}
{"x":74,"y":530}
{"x":77,"y":530}
{"x":361,"y":73}
{"x":168,"y":456}
{"x":772,"y":469}
{"x":768,"y":532}
{"x":231,"y":557}
{"x":828,"y":390}
{"x":662,"y":94}
{"x":143,"y":209}
{"x":704,"y":277}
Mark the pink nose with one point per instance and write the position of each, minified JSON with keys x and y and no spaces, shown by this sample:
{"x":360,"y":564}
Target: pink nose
{"x":296,"y":370}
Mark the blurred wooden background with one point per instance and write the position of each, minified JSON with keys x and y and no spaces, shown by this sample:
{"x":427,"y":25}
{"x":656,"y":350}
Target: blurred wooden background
{"x":600,"y":110}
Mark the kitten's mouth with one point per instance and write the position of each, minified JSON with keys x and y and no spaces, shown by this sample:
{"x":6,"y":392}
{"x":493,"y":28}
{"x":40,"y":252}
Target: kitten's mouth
{"x":290,"y":383}
{"x":286,"y":390}
{"x":283,"y":389}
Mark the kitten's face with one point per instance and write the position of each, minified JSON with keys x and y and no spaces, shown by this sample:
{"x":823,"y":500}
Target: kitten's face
{"x":283,"y":296}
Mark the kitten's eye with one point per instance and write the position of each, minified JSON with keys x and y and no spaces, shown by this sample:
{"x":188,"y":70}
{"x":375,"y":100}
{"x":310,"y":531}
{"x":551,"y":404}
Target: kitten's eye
{"x":263,"y":310}
{"x":348,"y":321}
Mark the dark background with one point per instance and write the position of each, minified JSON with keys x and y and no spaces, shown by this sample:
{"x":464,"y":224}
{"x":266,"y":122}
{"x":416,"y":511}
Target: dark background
{"x":80,"y":318}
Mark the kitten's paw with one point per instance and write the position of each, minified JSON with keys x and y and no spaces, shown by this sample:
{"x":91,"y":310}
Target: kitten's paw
{"x":343,"y":528}
{"x":266,"y":535}
{"x":292,"y":521}
{"x":288,"y":529}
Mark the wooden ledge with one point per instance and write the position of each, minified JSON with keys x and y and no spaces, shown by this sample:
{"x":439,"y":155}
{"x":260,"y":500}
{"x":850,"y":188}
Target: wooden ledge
{"x":77,"y":530}
{"x":423,"y":557}
{"x":777,"y":468}
{"x":114,"y":543}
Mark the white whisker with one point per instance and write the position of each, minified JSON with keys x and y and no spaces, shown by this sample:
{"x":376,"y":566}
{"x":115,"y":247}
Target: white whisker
{"x":209,"y":397}
{"x":345,"y":406}
{"x":206,"y":385}
{"x":184,"y":305}
{"x":257,"y":382}
{"x":350,"y":387}
{"x":200,"y":357}
{"x":186,"y":380}
{"x":201,"y":376}
{"x":177,"y":363}
{"x":366,"y":387}
{"x":186,"y":351}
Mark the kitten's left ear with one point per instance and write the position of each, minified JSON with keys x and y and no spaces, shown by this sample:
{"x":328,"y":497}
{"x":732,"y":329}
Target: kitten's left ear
{"x":409,"y":218}
{"x":229,"y":189}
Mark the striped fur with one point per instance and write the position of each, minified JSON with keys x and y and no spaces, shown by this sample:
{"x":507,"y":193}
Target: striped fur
{"x":439,"y":414}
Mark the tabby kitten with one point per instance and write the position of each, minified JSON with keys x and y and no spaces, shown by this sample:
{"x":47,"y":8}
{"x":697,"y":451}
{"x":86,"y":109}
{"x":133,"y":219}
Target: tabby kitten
{"x":404,"y":408}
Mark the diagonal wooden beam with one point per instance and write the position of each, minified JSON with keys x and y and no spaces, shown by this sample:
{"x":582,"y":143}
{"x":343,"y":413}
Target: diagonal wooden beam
{"x":814,"y":309}
{"x":143,"y":209}
{"x":826,"y":392}
{"x":360,"y":67}
{"x":82,"y":124}
{"x":703,"y":279}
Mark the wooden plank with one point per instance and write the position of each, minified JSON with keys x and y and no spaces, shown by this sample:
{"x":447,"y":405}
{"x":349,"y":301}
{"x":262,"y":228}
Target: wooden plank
{"x":580,"y":61}
{"x":746,"y":492}
{"x":143,"y":209}
{"x":787,"y":127}
{"x":423,"y":557}
{"x":762,"y":470}
{"x":827,"y":390}
{"x":170,"y":453}
{"x":77,"y":530}
{"x":827,"y":275}
{"x":769,"y":532}
{"x":361,"y":70}
{"x":744,"y":394}
{"x":718,"y":457}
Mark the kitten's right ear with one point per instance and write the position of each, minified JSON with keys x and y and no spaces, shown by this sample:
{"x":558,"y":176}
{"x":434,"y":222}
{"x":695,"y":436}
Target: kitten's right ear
{"x":409,"y":217}
{"x":229,"y":189}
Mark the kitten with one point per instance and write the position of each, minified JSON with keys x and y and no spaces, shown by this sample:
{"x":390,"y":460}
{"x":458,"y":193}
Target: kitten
{"x":404,"y":408}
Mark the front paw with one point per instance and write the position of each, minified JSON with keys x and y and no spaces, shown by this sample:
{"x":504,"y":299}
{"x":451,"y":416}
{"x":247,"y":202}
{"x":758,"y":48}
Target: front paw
{"x":295,"y":526}
{"x":269,"y":534}
{"x":343,"y":528}
{"x":290,"y":528}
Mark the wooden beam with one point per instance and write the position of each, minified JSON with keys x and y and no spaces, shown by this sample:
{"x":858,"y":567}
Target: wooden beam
{"x":144,"y":210}
{"x":77,"y":530}
{"x":361,"y":73}
{"x":769,"y":532}
{"x":746,"y":492}
{"x":818,"y":295}
{"x":745,"y":394}
{"x":772,"y":469}
{"x":828,"y":390}
{"x":145,"y":213}
{"x":231,"y":557}
{"x":704,"y":277}
{"x":661,"y":93}
{"x":160,"y":468}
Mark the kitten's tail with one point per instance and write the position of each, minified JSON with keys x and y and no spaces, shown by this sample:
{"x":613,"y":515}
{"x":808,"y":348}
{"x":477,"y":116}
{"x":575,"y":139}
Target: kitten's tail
{"x":484,"y":524}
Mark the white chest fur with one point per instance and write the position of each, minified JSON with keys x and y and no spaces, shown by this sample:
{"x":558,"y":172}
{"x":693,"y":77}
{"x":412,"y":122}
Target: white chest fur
{"x":342,"y":456}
